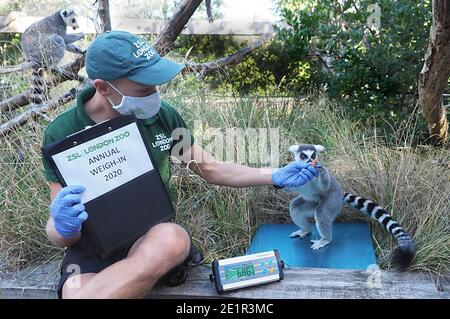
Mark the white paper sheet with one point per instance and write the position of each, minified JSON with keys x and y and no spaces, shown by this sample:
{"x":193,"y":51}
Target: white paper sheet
{"x":105,"y":163}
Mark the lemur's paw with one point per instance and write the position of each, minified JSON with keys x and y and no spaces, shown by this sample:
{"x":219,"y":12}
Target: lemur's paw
{"x":317,"y":244}
{"x":300,"y":234}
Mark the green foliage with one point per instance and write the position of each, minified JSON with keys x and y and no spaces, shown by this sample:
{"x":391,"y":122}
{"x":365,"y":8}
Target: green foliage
{"x":10,"y":48}
{"x":374,"y":70}
{"x":268,"y":71}
{"x":331,"y":45}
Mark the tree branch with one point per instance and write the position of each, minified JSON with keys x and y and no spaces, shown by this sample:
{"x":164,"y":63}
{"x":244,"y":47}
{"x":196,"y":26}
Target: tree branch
{"x":67,"y":75}
{"x":23,"y":99}
{"x":21,"y":67}
{"x":176,"y":24}
{"x":205,"y":68}
{"x":39,"y":110}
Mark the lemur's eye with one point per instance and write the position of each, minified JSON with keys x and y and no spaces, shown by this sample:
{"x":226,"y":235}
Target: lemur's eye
{"x":73,"y":20}
{"x":313,"y":156}
{"x":303,"y":156}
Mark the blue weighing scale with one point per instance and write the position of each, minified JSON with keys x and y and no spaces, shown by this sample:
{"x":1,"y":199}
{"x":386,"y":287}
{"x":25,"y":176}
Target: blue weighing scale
{"x":351,"y":247}
{"x":272,"y":250}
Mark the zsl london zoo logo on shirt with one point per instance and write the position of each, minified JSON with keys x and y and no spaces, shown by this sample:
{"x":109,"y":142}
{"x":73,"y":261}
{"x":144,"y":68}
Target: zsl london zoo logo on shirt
{"x":162,"y":141}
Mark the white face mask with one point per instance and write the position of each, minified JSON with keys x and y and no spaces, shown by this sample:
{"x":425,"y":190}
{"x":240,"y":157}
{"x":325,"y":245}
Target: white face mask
{"x":143,"y":107}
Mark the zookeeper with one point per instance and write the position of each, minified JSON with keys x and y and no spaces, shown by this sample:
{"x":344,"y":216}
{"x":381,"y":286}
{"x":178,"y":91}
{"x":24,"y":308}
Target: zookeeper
{"x":125,"y":71}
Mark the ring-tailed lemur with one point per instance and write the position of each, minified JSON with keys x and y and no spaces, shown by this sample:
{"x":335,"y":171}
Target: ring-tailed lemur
{"x":322,"y":198}
{"x":44,"y":44}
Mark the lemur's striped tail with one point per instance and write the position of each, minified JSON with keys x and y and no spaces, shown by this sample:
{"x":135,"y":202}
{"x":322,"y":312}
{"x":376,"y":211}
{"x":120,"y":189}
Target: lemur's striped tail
{"x":37,"y":86}
{"x":406,"y":250}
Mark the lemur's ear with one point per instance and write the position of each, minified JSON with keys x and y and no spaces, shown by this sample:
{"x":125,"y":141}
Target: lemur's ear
{"x":293,"y":148}
{"x":319,"y":148}
{"x":64,"y":13}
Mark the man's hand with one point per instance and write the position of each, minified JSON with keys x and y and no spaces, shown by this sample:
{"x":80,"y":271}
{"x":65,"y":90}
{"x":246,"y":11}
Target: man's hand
{"x":293,"y":175}
{"x":67,"y":211}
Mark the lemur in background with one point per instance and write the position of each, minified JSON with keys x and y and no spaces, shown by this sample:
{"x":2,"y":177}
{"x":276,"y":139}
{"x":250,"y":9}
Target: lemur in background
{"x":322,"y":198}
{"x":44,"y":43}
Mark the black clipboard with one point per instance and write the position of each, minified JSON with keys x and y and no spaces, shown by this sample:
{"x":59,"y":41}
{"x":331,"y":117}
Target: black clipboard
{"x":122,"y":215}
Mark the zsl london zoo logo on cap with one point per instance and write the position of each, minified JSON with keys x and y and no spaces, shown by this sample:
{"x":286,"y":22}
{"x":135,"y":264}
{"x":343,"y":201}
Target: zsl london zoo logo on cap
{"x":143,"y":49}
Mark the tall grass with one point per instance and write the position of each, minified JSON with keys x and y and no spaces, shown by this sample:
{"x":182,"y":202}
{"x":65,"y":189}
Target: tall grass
{"x":24,"y":193}
{"x":411,"y":182}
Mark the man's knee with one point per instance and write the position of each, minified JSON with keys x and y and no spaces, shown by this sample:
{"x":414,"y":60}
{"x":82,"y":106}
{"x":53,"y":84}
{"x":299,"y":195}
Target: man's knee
{"x":170,"y":241}
{"x":173,"y":238}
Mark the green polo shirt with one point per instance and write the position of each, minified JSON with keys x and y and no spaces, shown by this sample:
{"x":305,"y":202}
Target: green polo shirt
{"x":158,"y":130}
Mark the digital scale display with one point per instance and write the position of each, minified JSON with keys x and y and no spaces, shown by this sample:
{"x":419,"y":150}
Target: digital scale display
{"x":239,"y":272}
{"x":245,"y":271}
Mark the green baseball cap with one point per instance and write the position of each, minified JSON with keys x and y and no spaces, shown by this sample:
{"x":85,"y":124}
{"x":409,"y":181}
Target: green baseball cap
{"x":118,"y":54}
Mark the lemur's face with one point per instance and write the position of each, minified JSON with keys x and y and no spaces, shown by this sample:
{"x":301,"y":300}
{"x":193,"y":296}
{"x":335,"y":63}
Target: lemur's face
{"x":70,"y":18}
{"x":306,"y":153}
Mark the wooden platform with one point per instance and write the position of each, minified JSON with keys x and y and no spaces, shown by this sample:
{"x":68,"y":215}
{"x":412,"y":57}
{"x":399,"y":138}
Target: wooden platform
{"x":39,"y":282}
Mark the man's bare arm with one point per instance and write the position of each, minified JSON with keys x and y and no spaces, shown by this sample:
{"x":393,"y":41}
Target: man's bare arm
{"x":226,"y":174}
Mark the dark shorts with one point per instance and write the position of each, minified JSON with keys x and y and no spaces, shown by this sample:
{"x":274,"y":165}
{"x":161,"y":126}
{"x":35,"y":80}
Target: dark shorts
{"x":78,"y":260}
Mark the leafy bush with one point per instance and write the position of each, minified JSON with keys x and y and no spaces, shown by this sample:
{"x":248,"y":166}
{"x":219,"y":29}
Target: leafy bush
{"x":373,"y":70}
{"x":268,"y":71}
{"x":331,"y":45}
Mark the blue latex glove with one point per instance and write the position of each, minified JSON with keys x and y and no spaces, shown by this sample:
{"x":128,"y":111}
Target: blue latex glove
{"x":293,"y":175}
{"x":67,"y":211}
